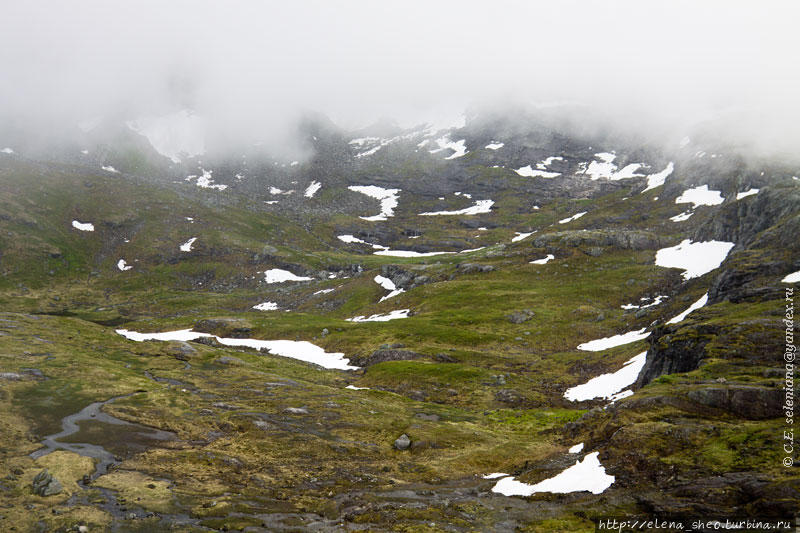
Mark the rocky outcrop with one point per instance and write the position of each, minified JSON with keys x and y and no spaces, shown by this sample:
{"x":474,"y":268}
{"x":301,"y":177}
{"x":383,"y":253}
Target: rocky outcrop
{"x":753,"y":403}
{"x":402,"y":278}
{"x":224,"y":327}
{"x":626,"y":239}
{"x":44,"y":484}
{"x":674,"y":349}
{"x":383,"y":355}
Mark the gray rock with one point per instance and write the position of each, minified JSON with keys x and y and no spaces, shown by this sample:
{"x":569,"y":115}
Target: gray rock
{"x":325,"y":332}
{"x":402,"y":442}
{"x":383,"y":355}
{"x":471,"y":268}
{"x":296,"y":410}
{"x":430,"y":418}
{"x":518,"y":317}
{"x":44,"y":484}
{"x":10,"y":376}
{"x":230,"y":360}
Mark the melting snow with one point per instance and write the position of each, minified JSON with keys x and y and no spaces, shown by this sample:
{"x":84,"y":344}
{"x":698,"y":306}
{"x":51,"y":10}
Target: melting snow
{"x":187,"y":246}
{"x":495,"y":475}
{"x":697,"y":305}
{"x":657,"y":300}
{"x":266,"y":306}
{"x":700,"y":196}
{"x":392,"y":315}
{"x":353,"y":387}
{"x":83,"y":226}
{"x":528,"y":172}
{"x":683,"y":216}
{"x":745,"y":194}
{"x":494,"y":146}
{"x":408,"y":253}
{"x":177,"y":135}
{"x":206,"y":182}
{"x":350,"y":239}
{"x":794,"y":277}
{"x":608,"y":386}
{"x":587,"y":475}
{"x":109,"y":168}
{"x":277,"y":275}
{"x":696,"y":258}
{"x":576,"y":216}
{"x":658,"y":179}
{"x":312,"y":189}
{"x":387,"y":197}
{"x":300,"y":350}
{"x":122,"y":265}
{"x":543,"y":261}
{"x":578,"y":448}
{"x":389,"y":285}
{"x":612,"y":342}
{"x":457,"y":147}
{"x":480,"y":207}
{"x":324,"y":291}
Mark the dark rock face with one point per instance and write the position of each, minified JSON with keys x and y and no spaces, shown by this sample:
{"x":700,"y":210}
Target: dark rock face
{"x":753,"y":403}
{"x":383,"y":355}
{"x":672,"y":352}
{"x":44,"y":484}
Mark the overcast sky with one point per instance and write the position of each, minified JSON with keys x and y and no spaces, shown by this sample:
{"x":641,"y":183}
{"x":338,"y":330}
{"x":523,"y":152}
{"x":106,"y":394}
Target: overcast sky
{"x":257,"y":62}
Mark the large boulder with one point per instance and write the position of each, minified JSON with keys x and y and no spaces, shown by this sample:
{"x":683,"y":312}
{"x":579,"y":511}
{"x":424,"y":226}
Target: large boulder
{"x":44,"y":484}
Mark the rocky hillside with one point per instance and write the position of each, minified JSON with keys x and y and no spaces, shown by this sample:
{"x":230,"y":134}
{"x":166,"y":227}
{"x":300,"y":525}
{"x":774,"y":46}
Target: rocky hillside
{"x":501,"y":326}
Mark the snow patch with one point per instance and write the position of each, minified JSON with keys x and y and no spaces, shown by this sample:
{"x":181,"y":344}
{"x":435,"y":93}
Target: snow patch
{"x":612,"y":342}
{"x":544,"y":260}
{"x":392,"y":315}
{"x":458,"y":147}
{"x":312,"y":189}
{"x":658,"y":179}
{"x":528,"y":172}
{"x":389,"y":285}
{"x":387,"y":197}
{"x":300,"y":350}
{"x":745,"y":194}
{"x":578,"y":448}
{"x":696,"y":258}
{"x":794,"y":277}
{"x":587,"y":475}
{"x":700,"y":196}
{"x":123,"y":266}
{"x":683,"y":216}
{"x":494,"y":146}
{"x":83,"y":226}
{"x":109,"y":168}
{"x":7,"y":150}
{"x":277,"y":275}
{"x":187,"y":246}
{"x":697,"y":305}
{"x":576,"y":216}
{"x":480,"y":207}
{"x":176,"y":136}
{"x":266,"y":306}
{"x":608,"y":386}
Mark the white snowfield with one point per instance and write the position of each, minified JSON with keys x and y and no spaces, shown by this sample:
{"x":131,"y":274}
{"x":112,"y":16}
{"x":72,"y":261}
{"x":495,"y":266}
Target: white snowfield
{"x":187,"y":246}
{"x":603,"y":167}
{"x":205,"y":181}
{"x":266,"y":306}
{"x":576,"y":216}
{"x":389,"y":285}
{"x":176,"y":136}
{"x":544,"y":260}
{"x":480,"y":207}
{"x":392,"y":315}
{"x":700,"y":196}
{"x":528,"y":172}
{"x":351,"y":239}
{"x":520,"y":236}
{"x":697,"y":305}
{"x":408,"y":253}
{"x":312,"y":189}
{"x":794,"y":277}
{"x":658,"y":179}
{"x":458,"y":147}
{"x":587,"y":475}
{"x":745,"y":194}
{"x":696,"y":258}
{"x":387,"y":197}
{"x":82,"y":226}
{"x":495,"y":475}
{"x":607,"y":343}
{"x":277,"y":275}
{"x":609,"y":386}
{"x":123,"y":266}
{"x":300,"y":350}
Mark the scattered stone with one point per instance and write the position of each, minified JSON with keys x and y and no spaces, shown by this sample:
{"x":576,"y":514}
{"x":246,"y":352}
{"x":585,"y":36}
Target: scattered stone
{"x":224,"y":406}
{"x":430,"y":418}
{"x":10,"y":376}
{"x":508,"y":396}
{"x":518,"y":317}
{"x":402,"y":442}
{"x":325,"y":332}
{"x":44,"y":484}
{"x":471,"y":268}
{"x":230,"y":360}
{"x":383,"y":355}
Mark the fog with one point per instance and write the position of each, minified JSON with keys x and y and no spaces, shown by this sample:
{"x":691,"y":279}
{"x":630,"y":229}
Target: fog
{"x":251,"y":67}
